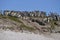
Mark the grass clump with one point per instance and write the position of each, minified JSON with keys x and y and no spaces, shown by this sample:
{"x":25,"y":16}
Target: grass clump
{"x":11,"y":18}
{"x":14,"y":19}
{"x":2,"y":16}
{"x":53,"y":24}
{"x":26,"y":27}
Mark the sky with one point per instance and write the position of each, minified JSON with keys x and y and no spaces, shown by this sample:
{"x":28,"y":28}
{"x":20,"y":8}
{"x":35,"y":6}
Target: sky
{"x":31,"y":5}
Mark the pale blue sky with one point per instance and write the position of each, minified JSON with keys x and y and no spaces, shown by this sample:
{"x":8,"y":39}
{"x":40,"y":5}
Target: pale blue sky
{"x":31,"y":5}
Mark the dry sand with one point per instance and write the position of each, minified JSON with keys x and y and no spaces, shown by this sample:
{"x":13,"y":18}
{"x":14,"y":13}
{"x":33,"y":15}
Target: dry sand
{"x":10,"y":35}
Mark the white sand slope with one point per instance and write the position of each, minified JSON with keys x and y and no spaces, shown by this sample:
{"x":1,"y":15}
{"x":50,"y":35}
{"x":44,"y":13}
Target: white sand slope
{"x":9,"y":35}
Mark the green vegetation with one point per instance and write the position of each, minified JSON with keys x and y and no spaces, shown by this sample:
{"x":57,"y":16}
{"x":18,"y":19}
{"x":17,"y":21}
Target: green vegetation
{"x":11,"y":18}
{"x":53,"y":24}
{"x":26,"y":27}
{"x":2,"y":16}
{"x":17,"y":20}
{"x":14,"y":19}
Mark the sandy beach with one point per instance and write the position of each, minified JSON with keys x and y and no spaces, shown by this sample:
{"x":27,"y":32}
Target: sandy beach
{"x":10,"y":35}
